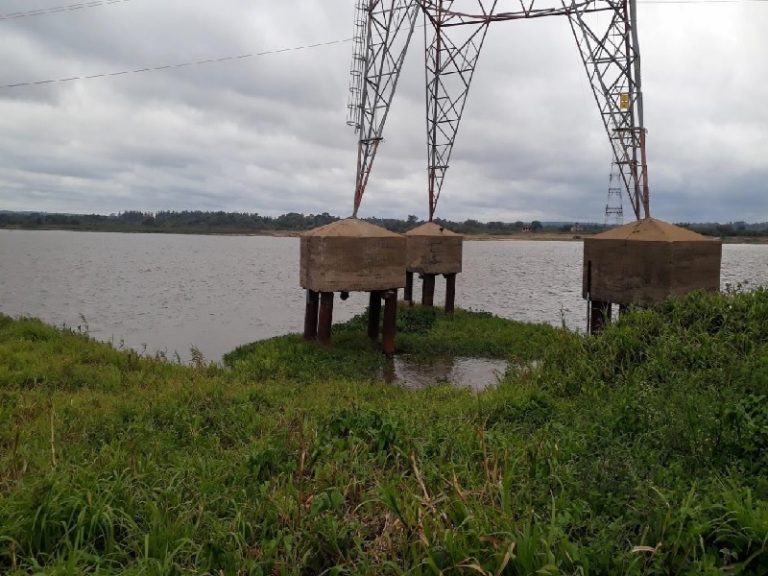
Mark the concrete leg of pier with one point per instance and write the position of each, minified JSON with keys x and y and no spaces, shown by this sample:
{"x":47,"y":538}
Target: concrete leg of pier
{"x":450,"y":293}
{"x":374,"y":315}
{"x":428,"y":290}
{"x":390,"y":322}
{"x":599,"y":315}
{"x":408,"y":296}
{"x":326,"y":318}
{"x":310,"y":315}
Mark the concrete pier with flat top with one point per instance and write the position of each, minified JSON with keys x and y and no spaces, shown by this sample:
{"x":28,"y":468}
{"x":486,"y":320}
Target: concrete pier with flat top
{"x":352,"y":256}
{"x":433,"y":250}
{"x":644,"y":263}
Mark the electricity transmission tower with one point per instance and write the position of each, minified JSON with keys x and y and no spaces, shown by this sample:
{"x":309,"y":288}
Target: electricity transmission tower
{"x":614,"y":208}
{"x":383,"y":31}
{"x":455,"y":32}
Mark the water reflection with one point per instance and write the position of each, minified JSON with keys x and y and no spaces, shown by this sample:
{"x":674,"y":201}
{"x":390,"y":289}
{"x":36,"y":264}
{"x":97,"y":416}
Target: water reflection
{"x":475,"y":373}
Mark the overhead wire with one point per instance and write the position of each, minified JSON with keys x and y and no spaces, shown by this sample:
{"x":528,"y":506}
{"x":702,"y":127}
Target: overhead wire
{"x":60,"y":9}
{"x":177,"y":65}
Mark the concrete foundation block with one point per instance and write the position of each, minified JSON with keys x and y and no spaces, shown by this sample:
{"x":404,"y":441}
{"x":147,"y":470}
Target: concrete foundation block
{"x":648,"y":261}
{"x":352,"y":256}
{"x":432,"y":249}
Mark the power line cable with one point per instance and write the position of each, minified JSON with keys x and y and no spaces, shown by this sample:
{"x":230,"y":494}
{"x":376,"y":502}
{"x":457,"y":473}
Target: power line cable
{"x":179,"y":65}
{"x":60,"y":9}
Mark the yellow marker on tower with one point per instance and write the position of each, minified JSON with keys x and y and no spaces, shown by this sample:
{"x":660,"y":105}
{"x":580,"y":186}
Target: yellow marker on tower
{"x":624,"y":101}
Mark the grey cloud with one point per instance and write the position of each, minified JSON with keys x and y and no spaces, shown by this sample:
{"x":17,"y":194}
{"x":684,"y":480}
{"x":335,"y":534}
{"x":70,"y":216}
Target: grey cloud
{"x":268,"y":134}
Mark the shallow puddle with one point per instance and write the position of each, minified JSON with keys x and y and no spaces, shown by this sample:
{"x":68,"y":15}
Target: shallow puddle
{"x":475,"y":373}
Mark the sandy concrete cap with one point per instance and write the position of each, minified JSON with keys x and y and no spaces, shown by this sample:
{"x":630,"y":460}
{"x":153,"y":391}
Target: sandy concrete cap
{"x":651,"y":230}
{"x":352,"y":256}
{"x":648,"y":261}
{"x":433,"y":249}
{"x":351,"y":228}
{"x":432,"y":229}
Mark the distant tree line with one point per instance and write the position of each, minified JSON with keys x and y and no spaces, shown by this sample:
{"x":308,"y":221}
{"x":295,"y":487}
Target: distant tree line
{"x":199,"y":222}
{"x":182,"y":222}
{"x":729,"y":229}
{"x":241,"y":222}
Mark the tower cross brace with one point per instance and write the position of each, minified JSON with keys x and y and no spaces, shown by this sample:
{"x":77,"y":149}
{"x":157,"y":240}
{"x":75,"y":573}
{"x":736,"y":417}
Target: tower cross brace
{"x":455,"y":32}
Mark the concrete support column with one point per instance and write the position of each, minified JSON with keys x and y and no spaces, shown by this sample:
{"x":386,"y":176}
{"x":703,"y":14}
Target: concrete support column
{"x":599,"y":315}
{"x":310,"y":315}
{"x":450,"y":293}
{"x":374,"y":315}
{"x":428,"y":290}
{"x":390,"y":322}
{"x":408,"y":297}
{"x":326,"y":318}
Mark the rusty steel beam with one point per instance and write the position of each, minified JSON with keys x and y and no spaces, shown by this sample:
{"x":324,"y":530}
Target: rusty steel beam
{"x":374,"y":315}
{"x":383,"y":31}
{"x":428,"y":290}
{"x":451,"y":56}
{"x":450,"y":293}
{"x":408,"y":296}
{"x":472,"y":12}
{"x":390,"y":322}
{"x":310,"y":315}
{"x":610,"y":53}
{"x":326,"y":318}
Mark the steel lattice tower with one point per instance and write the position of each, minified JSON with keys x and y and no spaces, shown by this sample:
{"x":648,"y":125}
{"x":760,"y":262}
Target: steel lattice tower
{"x":614,"y":208}
{"x":455,"y":31}
{"x":383,"y":33}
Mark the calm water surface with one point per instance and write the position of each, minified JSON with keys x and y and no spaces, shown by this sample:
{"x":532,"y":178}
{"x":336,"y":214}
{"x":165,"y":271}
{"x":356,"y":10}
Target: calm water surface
{"x":167,"y":292}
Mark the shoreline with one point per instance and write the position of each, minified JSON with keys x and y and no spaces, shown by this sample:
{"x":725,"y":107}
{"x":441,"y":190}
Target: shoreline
{"x":521,"y":236}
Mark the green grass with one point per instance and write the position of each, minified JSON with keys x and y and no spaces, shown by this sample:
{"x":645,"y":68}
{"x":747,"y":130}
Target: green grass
{"x":423,"y":334}
{"x":642,"y":451}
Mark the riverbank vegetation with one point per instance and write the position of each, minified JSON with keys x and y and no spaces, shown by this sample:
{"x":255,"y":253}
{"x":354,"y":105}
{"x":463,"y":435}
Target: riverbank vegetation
{"x":641,"y":451}
{"x":197,"y":222}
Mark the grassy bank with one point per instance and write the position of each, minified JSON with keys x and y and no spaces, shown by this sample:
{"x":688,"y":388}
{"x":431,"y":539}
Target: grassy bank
{"x":643,"y":451}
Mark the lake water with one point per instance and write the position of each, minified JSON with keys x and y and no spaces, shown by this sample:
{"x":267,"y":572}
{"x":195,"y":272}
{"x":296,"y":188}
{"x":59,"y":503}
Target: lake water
{"x":172,"y":292}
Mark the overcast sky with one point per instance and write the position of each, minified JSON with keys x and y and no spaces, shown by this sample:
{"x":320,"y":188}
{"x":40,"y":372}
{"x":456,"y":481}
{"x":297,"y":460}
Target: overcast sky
{"x":268,"y":134}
